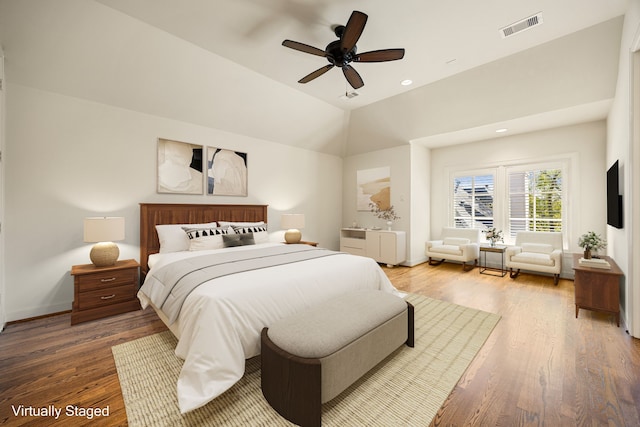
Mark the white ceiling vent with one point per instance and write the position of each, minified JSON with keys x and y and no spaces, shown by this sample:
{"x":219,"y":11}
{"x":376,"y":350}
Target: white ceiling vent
{"x":521,"y":25}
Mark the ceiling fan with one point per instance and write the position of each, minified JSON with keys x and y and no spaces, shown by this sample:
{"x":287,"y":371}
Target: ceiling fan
{"x":342,"y":52}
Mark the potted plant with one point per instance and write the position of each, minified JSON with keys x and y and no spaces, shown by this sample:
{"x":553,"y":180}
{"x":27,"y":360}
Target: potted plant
{"x":590,"y":241}
{"x":493,"y":235}
{"x":388,"y":214}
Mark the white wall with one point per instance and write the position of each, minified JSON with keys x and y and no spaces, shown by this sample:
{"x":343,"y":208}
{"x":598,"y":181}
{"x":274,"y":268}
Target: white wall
{"x":583,"y":145}
{"x":399,"y":161}
{"x":68,"y":158}
{"x":420,"y":201}
{"x":2,"y":204}
{"x":624,"y":146}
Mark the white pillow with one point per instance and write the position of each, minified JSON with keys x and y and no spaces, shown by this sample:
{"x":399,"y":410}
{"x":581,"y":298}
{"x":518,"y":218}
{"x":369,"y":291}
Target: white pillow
{"x":455,"y":241}
{"x":173,"y":238}
{"x":539,"y":248}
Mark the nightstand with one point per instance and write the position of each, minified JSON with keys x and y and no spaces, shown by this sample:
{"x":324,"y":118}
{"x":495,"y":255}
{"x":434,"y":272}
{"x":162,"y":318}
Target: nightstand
{"x":104,"y":291}
{"x":597,"y":289}
{"x":304,"y":242}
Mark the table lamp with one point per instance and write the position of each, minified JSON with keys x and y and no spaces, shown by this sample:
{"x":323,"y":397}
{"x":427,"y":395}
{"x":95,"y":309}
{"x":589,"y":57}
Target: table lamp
{"x":103,"y":231}
{"x":292,"y":222}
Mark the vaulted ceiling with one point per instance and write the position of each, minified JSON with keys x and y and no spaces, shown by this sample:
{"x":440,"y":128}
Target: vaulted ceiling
{"x":221,"y":64}
{"x":441,"y":37}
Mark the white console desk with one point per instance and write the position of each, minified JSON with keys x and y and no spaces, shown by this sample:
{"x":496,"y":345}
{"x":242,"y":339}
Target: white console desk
{"x":386,"y":247}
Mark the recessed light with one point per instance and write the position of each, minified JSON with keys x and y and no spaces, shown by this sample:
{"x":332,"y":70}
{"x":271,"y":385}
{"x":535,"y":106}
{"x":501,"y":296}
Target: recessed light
{"x":501,"y":130}
{"x":406,"y":82}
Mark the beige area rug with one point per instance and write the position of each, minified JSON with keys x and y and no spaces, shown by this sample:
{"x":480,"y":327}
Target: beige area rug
{"x":406,"y":389}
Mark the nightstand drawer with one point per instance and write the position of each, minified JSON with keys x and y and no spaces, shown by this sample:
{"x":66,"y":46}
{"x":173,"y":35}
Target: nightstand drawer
{"x":102,"y":297}
{"x":107,"y":279}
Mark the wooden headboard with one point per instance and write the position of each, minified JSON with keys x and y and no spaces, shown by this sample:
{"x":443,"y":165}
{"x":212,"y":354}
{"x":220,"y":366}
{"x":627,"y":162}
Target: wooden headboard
{"x":152,"y":214}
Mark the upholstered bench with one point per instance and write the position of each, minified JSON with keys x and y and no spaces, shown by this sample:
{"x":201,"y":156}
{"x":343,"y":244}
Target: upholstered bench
{"x":311,"y":357}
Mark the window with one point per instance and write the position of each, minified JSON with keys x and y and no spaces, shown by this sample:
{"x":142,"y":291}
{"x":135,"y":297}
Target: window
{"x":511,"y":198}
{"x":535,"y":200}
{"x":473,"y":201}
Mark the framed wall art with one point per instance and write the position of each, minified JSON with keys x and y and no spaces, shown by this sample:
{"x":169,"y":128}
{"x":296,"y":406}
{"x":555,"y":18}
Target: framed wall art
{"x":180,"y":167}
{"x":226,"y":172}
{"x":374,"y":186}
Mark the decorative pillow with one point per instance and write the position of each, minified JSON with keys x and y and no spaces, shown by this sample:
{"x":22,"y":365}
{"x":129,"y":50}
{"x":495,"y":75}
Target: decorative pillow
{"x":230,"y":240}
{"x":195,"y":232}
{"x":173,"y":238}
{"x":205,"y":238}
{"x":455,"y":241}
{"x":538,"y":248}
{"x":260,"y":234}
{"x":240,"y":224}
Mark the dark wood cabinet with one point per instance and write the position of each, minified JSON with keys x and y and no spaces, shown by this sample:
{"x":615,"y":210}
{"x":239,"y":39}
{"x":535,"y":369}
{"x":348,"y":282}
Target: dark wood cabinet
{"x":104,"y":291}
{"x":597,"y":289}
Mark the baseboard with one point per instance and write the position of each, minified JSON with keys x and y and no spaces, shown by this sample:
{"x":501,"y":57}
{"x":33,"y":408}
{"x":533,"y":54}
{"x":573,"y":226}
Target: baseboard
{"x":36,"y":312}
{"x":413,"y":262}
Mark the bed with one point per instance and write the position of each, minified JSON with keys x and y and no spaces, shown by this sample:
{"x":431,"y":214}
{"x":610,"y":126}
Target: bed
{"x":218,"y":318}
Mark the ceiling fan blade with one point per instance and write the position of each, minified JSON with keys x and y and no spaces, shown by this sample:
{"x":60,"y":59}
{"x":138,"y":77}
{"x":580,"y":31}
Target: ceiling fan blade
{"x":352,"y":77}
{"x":315,"y":74}
{"x":303,"y":47}
{"x":353,"y":30}
{"x":380,"y":55}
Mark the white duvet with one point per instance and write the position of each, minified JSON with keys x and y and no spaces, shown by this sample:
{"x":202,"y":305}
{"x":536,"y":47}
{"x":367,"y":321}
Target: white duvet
{"x":220,"y":322}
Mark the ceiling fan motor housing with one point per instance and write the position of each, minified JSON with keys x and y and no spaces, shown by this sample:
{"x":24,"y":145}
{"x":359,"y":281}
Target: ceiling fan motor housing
{"x":337,"y":57}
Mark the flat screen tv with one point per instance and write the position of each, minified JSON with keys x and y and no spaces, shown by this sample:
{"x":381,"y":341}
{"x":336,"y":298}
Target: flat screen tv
{"x":614,"y":198}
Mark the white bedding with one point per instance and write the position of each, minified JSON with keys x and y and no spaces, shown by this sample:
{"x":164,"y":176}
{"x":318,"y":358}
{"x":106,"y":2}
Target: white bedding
{"x":220,"y":322}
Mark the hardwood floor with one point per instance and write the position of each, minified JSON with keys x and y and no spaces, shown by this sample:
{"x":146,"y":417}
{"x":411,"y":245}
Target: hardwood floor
{"x":47,"y":362}
{"x":540,"y":366}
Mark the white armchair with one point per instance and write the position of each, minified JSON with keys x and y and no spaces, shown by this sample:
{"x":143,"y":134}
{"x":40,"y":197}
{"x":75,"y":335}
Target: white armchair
{"x":538,"y":251}
{"x":455,"y":244}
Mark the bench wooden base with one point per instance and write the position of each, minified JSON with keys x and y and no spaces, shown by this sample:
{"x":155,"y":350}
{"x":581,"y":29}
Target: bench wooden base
{"x":293,"y":385}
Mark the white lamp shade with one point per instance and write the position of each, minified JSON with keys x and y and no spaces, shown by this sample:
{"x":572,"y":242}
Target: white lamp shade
{"x":292,"y":221}
{"x":103,"y":229}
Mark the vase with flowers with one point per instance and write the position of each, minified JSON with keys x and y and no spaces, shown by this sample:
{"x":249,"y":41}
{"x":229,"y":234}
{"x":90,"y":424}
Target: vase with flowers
{"x":590,"y":242}
{"x":493,"y":235}
{"x":388,"y":214}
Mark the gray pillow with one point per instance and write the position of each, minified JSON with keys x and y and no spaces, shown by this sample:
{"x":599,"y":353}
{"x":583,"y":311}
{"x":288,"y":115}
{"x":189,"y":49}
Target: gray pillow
{"x":231,"y":240}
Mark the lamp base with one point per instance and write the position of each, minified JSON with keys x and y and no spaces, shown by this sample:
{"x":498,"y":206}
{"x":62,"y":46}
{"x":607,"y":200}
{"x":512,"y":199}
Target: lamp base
{"x":104,"y":254}
{"x":292,"y":236}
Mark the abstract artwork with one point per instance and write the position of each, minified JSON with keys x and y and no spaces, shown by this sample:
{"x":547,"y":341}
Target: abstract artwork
{"x":180,"y":167}
{"x":226,"y":172}
{"x":374,"y":186}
